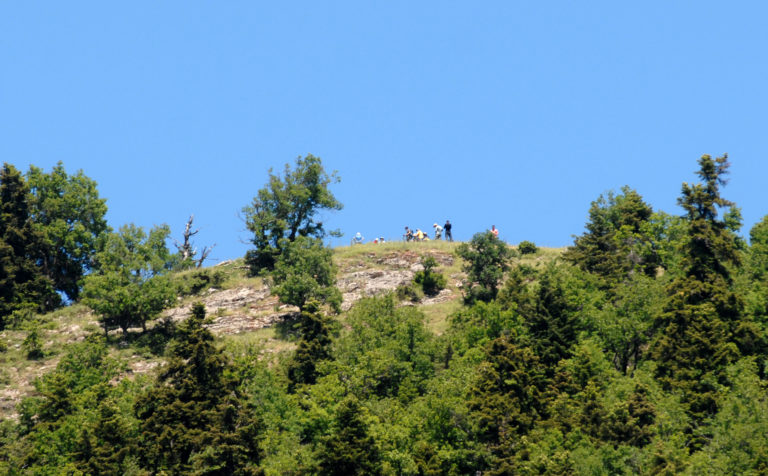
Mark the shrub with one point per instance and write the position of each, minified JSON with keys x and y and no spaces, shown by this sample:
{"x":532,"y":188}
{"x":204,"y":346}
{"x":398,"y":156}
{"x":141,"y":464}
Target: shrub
{"x":194,"y":282}
{"x":431,"y":283}
{"x":409,"y":292}
{"x":527,"y":247}
{"x":32,"y":345}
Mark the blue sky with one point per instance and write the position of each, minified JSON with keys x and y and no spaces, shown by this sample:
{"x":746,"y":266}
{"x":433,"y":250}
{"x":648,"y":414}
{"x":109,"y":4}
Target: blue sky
{"x":517,"y":114}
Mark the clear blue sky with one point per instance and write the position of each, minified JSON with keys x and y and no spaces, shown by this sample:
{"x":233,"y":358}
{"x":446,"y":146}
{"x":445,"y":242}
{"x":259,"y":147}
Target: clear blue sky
{"x":517,"y":114}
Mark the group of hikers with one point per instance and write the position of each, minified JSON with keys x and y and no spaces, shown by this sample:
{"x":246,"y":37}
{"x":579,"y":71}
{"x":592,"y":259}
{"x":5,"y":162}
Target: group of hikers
{"x":418,"y":235}
{"x":413,"y":235}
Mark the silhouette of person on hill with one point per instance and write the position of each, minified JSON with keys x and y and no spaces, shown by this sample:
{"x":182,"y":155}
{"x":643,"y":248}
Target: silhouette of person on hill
{"x":447,"y":230}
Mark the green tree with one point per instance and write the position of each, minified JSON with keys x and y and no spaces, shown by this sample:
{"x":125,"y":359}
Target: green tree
{"x":430,"y":281}
{"x":129,"y":287}
{"x":68,"y":212}
{"x":615,"y":243}
{"x":507,"y":398}
{"x":486,"y":258}
{"x":286,"y":208}
{"x":350,"y":449}
{"x":758,"y":250}
{"x":625,"y":323}
{"x":701,"y":329}
{"x":23,"y":285}
{"x":305,"y":272}
{"x":102,"y":450}
{"x":193,"y":419}
{"x":555,"y":319}
{"x":313,"y":348}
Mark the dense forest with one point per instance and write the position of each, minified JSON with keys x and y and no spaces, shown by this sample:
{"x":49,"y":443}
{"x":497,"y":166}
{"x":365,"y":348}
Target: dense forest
{"x":640,"y":349}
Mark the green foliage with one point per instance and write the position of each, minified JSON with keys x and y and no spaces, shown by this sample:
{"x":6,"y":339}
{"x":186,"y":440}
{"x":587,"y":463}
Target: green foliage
{"x":616,"y":241}
{"x":52,"y":421}
{"x":431,"y":282}
{"x":193,"y":282}
{"x":506,"y":397}
{"x":701,"y":330}
{"x":305,"y":272}
{"x":555,"y":318}
{"x":758,"y":250}
{"x":68,"y":212}
{"x":130,"y":288}
{"x":193,"y":419}
{"x":625,"y":324}
{"x":23,"y":285}
{"x":409,"y":292}
{"x":349,"y":449}
{"x":32,"y":344}
{"x":486,"y":258}
{"x":737,"y":443}
{"x":286,"y":208}
{"x":388,"y":351}
{"x":527,"y":248}
{"x":313,"y":348}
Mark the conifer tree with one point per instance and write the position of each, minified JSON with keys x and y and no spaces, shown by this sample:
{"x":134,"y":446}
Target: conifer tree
{"x":193,"y":419}
{"x":507,"y":398}
{"x":103,"y":448}
{"x":22,"y":282}
{"x":552,"y":322}
{"x":701,"y":329}
{"x":313,"y":347}
{"x":350,"y":449}
{"x":615,"y":243}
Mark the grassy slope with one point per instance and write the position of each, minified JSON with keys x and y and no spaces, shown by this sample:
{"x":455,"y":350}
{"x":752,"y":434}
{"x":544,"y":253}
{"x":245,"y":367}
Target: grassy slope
{"x":74,"y":323}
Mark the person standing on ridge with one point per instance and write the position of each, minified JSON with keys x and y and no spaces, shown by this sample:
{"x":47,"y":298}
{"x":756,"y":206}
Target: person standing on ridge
{"x":447,"y":229}
{"x":495,"y":231}
{"x":438,"y":231}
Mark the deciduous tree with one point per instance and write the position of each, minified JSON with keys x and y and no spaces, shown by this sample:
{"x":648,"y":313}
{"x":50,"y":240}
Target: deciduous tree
{"x":486,"y":258}
{"x":287,"y":207}
{"x":129,"y":287}
{"x":68,"y":212}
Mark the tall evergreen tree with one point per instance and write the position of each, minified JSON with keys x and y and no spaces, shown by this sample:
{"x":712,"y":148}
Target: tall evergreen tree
{"x":507,"y":398}
{"x":22,"y":282}
{"x":552,"y":322}
{"x":615,"y":243}
{"x":701,"y":329}
{"x":313,"y":347}
{"x":193,"y":419}
{"x":350,"y":449}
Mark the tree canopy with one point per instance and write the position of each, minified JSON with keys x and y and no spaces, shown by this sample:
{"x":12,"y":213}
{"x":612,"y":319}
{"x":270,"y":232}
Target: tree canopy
{"x":288,"y":207}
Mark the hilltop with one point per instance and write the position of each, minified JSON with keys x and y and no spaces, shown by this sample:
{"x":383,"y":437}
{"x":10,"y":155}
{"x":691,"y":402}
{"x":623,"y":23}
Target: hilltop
{"x":241,"y":308}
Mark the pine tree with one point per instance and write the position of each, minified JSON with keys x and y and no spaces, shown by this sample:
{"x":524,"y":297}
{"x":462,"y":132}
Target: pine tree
{"x":313,"y":347}
{"x":22,"y":282}
{"x":350,"y":449}
{"x":193,"y":419}
{"x":701,"y":329}
{"x":552,"y":323}
{"x":507,"y":398}
{"x":615,"y":243}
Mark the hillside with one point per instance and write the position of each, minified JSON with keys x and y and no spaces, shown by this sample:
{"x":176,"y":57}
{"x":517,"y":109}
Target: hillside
{"x":241,"y":309}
